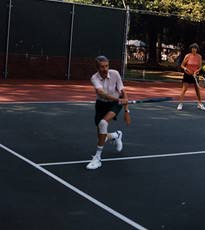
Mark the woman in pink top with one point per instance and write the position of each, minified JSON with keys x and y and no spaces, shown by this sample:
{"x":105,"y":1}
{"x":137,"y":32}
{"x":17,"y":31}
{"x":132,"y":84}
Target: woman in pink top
{"x":191,"y":66}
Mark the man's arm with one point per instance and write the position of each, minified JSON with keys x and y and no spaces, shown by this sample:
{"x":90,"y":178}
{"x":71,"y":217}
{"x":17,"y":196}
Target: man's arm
{"x":106,"y":96}
{"x":127,"y":117}
{"x":124,"y":96}
{"x":99,"y":90}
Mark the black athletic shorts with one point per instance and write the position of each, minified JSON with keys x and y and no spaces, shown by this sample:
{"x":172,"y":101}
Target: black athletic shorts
{"x":102,"y":108}
{"x":188,"y":79}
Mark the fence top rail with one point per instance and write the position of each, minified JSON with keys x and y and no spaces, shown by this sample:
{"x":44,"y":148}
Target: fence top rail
{"x":147,"y":12}
{"x":83,"y":4}
{"x":150,"y":12}
{"x":155,"y":13}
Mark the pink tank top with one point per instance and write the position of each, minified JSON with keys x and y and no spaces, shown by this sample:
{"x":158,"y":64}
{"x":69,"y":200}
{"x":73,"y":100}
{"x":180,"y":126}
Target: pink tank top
{"x":193,"y":63}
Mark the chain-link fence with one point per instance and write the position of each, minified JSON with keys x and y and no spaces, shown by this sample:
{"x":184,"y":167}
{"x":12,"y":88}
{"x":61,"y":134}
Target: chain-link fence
{"x":3,"y":29}
{"x":56,"y":40}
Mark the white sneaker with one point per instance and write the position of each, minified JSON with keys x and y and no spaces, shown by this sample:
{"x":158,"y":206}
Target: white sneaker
{"x":94,"y":164}
{"x":200,"y":106}
{"x":180,"y":106}
{"x":118,"y":141}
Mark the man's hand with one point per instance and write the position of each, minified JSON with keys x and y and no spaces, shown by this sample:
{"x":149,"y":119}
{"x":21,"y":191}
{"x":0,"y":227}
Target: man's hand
{"x":127,"y":118}
{"x":123,"y":101}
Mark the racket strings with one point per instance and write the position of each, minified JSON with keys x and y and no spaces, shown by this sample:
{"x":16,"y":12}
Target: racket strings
{"x":200,"y":80}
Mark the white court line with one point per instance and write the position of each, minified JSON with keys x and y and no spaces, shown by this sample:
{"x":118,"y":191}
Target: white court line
{"x":76,"y":190}
{"x":125,"y":158}
{"x":67,"y":102}
{"x":70,"y":102}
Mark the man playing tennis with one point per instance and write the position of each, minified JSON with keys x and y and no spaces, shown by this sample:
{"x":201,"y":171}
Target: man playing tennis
{"x":111,"y":98}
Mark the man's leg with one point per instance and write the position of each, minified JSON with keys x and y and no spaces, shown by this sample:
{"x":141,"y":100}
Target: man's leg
{"x":103,"y":133}
{"x":115,"y":136}
{"x":102,"y":137}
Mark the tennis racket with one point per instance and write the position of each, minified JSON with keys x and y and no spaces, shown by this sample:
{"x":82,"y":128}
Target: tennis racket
{"x":150,"y":100}
{"x":200,"y":81}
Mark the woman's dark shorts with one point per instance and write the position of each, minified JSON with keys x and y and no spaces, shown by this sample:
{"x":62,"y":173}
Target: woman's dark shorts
{"x":102,"y":108}
{"x":188,"y":79}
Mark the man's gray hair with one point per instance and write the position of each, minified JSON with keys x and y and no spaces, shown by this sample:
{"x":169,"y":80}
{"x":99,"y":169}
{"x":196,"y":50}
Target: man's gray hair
{"x":101,"y":59}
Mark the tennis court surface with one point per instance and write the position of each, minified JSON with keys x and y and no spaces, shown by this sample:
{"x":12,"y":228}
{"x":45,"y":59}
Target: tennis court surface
{"x":157,"y":182}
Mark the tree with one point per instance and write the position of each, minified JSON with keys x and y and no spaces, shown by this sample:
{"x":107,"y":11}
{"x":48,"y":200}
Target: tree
{"x":193,"y":10}
{"x":187,"y":9}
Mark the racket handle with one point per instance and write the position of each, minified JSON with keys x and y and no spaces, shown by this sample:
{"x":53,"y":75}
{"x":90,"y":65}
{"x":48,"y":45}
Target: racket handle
{"x":197,"y":83}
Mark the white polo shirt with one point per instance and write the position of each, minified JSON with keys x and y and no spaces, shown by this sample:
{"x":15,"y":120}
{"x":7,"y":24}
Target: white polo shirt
{"x":111,"y":85}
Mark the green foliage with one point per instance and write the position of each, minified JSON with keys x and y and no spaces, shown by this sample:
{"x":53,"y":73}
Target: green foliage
{"x":193,"y":10}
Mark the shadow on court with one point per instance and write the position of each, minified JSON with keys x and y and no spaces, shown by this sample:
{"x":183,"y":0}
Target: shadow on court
{"x":44,"y":90}
{"x":158,"y":192}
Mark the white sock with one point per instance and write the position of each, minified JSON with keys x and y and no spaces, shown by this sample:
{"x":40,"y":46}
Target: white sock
{"x":99,"y":152}
{"x":113,"y":136}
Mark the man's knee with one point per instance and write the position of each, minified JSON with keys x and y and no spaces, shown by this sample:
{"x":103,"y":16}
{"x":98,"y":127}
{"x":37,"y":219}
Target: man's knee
{"x":103,"y":125}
